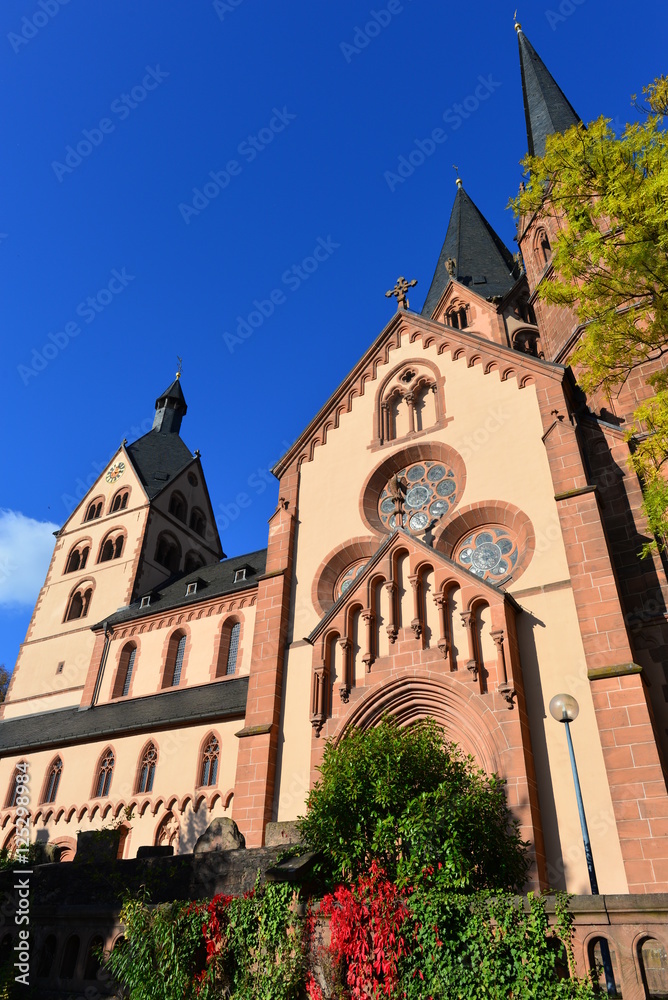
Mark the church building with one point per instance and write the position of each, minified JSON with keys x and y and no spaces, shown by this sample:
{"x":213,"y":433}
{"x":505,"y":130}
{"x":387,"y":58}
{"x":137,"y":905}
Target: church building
{"x":478,"y":556}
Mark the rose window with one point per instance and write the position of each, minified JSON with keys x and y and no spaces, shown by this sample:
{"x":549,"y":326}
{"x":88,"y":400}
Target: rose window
{"x":347,"y":578}
{"x":417,"y":496}
{"x":490,"y":554}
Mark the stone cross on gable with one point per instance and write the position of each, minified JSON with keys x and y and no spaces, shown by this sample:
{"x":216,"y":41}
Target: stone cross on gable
{"x":399,"y":292}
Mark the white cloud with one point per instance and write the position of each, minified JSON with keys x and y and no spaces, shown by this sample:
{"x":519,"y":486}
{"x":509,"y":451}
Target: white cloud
{"x":26,"y":546}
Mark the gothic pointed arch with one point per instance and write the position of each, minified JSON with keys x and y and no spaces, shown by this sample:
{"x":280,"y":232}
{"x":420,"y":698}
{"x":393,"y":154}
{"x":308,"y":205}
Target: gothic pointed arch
{"x":465,"y":720}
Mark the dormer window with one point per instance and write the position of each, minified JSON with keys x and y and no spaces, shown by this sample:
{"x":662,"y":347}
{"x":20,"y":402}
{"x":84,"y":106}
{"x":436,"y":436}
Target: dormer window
{"x":240,"y":575}
{"x":191,"y":589}
{"x":145,"y":601}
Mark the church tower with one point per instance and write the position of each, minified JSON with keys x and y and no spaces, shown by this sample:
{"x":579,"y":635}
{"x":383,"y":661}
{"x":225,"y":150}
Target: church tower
{"x":146,"y":517}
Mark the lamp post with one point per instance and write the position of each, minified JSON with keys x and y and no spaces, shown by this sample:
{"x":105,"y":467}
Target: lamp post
{"x":564,"y":708}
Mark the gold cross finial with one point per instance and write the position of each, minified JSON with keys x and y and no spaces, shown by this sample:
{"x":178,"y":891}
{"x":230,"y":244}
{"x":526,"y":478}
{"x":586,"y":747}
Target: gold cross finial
{"x":399,"y":292}
{"x":179,"y":370}
{"x":518,"y":26}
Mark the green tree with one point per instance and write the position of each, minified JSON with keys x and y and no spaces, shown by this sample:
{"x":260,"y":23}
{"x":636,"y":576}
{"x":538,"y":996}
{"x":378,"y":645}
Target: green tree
{"x":408,"y":798}
{"x":5,"y":678}
{"x":610,"y":259}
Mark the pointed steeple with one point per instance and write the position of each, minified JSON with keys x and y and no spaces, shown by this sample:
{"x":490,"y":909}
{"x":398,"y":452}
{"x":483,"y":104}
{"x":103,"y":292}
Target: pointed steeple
{"x":170,"y":408}
{"x":546,"y":107}
{"x":473,"y":254}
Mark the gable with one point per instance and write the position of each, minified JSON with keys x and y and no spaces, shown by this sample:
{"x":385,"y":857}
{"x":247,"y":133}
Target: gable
{"x":497,"y":360}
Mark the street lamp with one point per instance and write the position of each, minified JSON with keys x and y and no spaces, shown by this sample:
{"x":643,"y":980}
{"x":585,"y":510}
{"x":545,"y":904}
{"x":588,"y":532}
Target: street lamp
{"x":564,"y":708}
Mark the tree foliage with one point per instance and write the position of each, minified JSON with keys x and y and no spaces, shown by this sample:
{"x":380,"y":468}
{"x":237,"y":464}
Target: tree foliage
{"x":609,"y":194}
{"x":406,"y":798}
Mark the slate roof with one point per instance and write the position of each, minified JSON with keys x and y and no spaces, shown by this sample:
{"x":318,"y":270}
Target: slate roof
{"x":63,"y":727}
{"x":483,"y":261}
{"x":175,"y":392}
{"x":546,"y":108}
{"x":157,"y":458}
{"x":212,"y":581}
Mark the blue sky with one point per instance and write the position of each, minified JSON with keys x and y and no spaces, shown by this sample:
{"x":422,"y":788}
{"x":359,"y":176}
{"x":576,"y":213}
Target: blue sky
{"x":167,"y":166}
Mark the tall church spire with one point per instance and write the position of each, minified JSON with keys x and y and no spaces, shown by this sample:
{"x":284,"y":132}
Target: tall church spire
{"x":473,"y":254}
{"x":170,"y":408}
{"x":546,"y":107}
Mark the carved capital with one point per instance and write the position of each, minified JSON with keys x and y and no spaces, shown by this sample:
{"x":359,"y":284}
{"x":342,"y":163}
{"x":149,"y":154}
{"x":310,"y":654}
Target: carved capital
{"x":508,"y":692}
{"x":467,"y":618}
{"x":416,"y":626}
{"x":415,"y":579}
{"x":344,"y":692}
{"x":444,"y":647}
{"x":392,"y":632}
{"x":367,"y":616}
{"x":368,"y":658}
{"x":498,"y":635}
{"x":441,"y":601}
{"x":472,"y":666}
{"x":345,"y":644}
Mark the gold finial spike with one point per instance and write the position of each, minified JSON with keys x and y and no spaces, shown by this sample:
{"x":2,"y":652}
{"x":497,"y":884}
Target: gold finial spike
{"x":456,"y":170}
{"x":180,"y":368}
{"x":399,"y":291}
{"x":518,"y":26}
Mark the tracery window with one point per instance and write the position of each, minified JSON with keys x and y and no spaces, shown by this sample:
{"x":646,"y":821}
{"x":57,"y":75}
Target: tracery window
{"x":94,"y":509}
{"x":104,"y":774}
{"x":79,"y":603}
{"x":209,"y":763}
{"x":457,"y":317}
{"x":490,"y":553}
{"x":52,"y":781}
{"x":147,"y":769}
{"x":348,"y":577}
{"x":17,"y":782}
{"x":418,"y":496}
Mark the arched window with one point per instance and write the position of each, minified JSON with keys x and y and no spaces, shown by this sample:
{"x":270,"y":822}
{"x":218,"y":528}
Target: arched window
{"x":596,"y":946}
{"x":120,"y":501}
{"x":147,"y":768}
{"x":542,"y":247}
{"x":112,"y":547}
{"x":105,"y":773}
{"x":126,"y":664}
{"x":193,"y":561}
{"x":46,"y":957}
{"x":178,"y":507}
{"x":228,"y":650}
{"x":93,"y":963}
{"x":70,"y":956}
{"x":20,"y":771}
{"x":457,"y":317}
{"x":233,"y":651}
{"x":168,"y":553}
{"x":174,"y":662}
{"x":94,"y":509}
{"x":654,"y":968}
{"x":78,"y":557}
{"x":197,"y":521}
{"x":52,"y":781}
{"x":79,"y":602}
{"x":208,"y":772}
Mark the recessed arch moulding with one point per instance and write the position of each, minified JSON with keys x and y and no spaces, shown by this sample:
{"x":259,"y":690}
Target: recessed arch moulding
{"x":416,"y":635}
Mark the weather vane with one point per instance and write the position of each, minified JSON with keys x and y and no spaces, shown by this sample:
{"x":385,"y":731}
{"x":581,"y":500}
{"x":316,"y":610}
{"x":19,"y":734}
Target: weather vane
{"x":179,"y":370}
{"x":456,"y":170}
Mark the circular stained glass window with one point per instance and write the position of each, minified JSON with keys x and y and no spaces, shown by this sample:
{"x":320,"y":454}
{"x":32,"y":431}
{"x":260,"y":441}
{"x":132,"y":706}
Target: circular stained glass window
{"x":347,"y":578}
{"x":490,"y":554}
{"x":417,"y":496}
